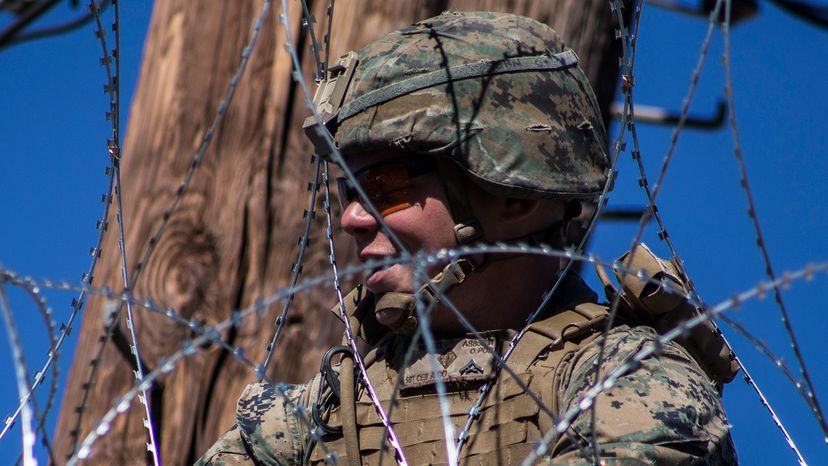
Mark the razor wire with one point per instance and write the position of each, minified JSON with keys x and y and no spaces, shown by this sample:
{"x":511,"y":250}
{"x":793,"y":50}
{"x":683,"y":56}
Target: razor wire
{"x":626,"y":64}
{"x":760,"y":240}
{"x":296,"y":268}
{"x":308,"y":21}
{"x":76,"y":306}
{"x":349,"y":335}
{"x":28,"y":283}
{"x":38,"y":415}
{"x":763,"y":348}
{"x":628,"y":81}
{"x":114,"y":146}
{"x":417,"y":261}
{"x":651,"y":210}
{"x":327,"y":37}
{"x":21,"y":378}
{"x":212,"y":333}
{"x":114,"y":91}
{"x":298,"y":78}
{"x":167,"y":215}
{"x":76,"y":303}
{"x":111,"y":89}
{"x":313,"y":186}
{"x":206,"y":333}
{"x":46,"y":312}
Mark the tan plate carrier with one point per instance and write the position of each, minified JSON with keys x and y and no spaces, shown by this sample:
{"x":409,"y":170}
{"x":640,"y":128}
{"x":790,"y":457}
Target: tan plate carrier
{"x":510,"y":420}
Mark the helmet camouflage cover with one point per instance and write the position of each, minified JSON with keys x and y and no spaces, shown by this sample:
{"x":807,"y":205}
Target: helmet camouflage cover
{"x":496,"y":93}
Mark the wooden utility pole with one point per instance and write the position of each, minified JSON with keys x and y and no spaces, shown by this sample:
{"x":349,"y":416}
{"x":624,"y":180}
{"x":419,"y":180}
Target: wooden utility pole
{"x":232,"y":239}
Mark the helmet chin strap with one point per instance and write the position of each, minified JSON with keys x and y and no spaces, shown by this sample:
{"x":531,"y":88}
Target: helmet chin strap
{"x":453,"y":274}
{"x":456,"y":272}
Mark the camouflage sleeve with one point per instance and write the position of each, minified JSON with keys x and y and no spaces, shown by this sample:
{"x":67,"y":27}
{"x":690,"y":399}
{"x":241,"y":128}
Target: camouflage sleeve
{"x":267,"y":430}
{"x":269,"y":423}
{"x":228,"y":450}
{"x":664,"y":412}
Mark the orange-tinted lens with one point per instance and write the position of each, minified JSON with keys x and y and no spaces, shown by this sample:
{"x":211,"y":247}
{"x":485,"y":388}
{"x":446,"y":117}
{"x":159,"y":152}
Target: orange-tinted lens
{"x":388,"y":187}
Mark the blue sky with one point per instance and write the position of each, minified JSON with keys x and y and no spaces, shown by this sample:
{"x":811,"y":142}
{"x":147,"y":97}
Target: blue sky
{"x":53,"y":148}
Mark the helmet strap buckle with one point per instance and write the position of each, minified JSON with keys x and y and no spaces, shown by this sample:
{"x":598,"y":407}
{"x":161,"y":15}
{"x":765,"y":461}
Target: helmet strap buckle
{"x":453,"y":274}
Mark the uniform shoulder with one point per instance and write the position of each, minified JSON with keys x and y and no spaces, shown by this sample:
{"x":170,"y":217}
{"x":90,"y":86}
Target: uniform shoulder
{"x":621,"y":352}
{"x":268,"y":419}
{"x":661,"y":407}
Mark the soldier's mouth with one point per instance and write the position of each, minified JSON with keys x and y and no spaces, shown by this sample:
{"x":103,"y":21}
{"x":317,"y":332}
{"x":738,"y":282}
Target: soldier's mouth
{"x":380,"y":276}
{"x":386,"y":278}
{"x":374,"y":278}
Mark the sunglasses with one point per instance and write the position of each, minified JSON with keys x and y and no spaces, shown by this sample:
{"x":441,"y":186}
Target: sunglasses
{"x":387,"y":183}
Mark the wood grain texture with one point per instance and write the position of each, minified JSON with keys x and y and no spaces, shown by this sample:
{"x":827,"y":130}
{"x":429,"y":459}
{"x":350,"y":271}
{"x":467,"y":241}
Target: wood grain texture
{"x":233,"y":238}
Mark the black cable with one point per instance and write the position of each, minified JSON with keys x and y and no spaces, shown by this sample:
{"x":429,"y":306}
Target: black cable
{"x":16,"y":37}
{"x":27,"y":16}
{"x":817,"y":15}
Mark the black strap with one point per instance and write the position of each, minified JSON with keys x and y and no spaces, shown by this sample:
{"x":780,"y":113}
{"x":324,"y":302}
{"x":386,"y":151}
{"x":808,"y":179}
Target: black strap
{"x":329,"y":377}
{"x":558,"y":61}
{"x":467,"y":228}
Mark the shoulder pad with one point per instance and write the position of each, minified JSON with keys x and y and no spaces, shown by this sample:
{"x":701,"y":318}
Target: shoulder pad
{"x":569,"y":324}
{"x":552,"y":332}
{"x":664,"y":307}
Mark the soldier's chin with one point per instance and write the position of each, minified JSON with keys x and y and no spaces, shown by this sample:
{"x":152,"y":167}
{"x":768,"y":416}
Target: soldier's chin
{"x":388,"y":316}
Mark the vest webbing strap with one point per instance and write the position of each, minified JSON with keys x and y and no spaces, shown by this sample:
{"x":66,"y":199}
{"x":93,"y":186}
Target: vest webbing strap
{"x":549,"y":336}
{"x":558,"y":61}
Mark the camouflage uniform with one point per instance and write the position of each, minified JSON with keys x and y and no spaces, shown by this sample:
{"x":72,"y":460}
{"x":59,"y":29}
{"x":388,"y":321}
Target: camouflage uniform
{"x":498,"y":96}
{"x":666,"y":411}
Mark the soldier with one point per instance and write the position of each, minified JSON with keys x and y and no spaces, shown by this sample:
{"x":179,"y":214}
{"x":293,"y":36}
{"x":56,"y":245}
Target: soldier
{"x":466,"y":128}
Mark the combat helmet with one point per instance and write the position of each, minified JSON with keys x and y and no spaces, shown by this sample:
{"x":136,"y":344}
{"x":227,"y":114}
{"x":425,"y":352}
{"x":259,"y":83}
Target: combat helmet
{"x":498,"y":95}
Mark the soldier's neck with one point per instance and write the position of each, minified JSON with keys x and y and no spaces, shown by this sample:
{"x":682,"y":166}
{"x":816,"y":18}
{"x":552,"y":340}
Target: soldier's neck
{"x":501,"y":296}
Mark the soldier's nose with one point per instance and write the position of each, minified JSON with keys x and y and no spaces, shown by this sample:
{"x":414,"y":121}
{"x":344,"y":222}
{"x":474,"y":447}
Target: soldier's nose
{"x":356,"y":220}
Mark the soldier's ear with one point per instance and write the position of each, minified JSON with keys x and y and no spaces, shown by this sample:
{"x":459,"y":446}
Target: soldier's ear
{"x":516,"y":210}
